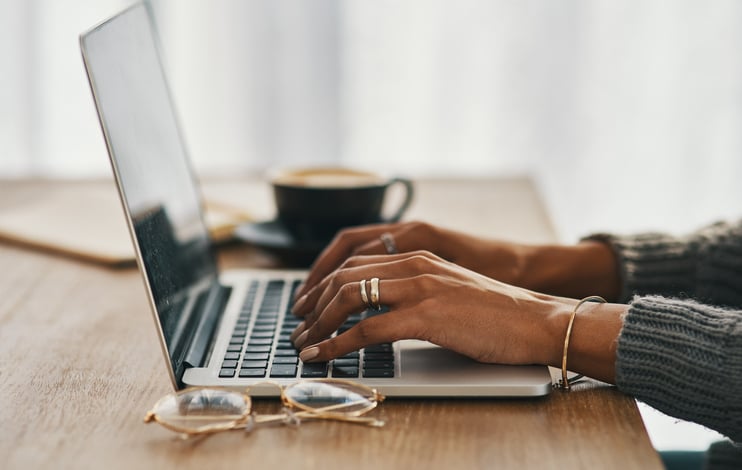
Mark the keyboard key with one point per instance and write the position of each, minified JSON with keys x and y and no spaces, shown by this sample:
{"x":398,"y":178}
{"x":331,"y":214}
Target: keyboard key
{"x":258,"y":349}
{"x":344,"y":371}
{"x":378,"y":356}
{"x":237,"y":340}
{"x":287,"y":352}
{"x":283,"y":370}
{"x":262,"y":334}
{"x":378,"y":365}
{"x":285,"y":360}
{"x":378,"y":373}
{"x":350,"y":355}
{"x":229,"y":364}
{"x":261,"y":356}
{"x":314,"y":370}
{"x":383,"y":347}
{"x":345,"y":362}
{"x":264,"y":327}
{"x":234,"y":348}
{"x":252,"y":373}
{"x":224,"y":373}
{"x":254,"y":364}
{"x":260,"y":341}
{"x":232,"y":356}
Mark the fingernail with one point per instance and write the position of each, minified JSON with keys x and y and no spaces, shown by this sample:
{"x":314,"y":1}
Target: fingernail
{"x":301,"y":339}
{"x":299,"y":303}
{"x":309,"y":354}
{"x":299,"y":329}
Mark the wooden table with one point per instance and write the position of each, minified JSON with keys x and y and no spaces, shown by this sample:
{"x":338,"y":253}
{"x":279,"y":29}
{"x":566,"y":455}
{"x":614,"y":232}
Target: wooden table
{"x":80,"y":365}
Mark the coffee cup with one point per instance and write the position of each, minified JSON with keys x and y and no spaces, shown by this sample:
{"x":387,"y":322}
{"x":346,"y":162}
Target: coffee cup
{"x":313,"y":204}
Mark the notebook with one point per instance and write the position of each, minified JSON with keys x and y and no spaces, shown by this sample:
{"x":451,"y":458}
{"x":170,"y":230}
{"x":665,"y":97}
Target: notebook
{"x":231,"y":328}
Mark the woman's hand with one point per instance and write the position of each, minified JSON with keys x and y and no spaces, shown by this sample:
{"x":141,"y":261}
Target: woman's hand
{"x":571,"y":271}
{"x":438,"y":301}
{"x":434,"y":300}
{"x":499,"y":260}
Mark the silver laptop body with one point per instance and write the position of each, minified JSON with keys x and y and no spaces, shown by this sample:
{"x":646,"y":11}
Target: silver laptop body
{"x":231,"y":328}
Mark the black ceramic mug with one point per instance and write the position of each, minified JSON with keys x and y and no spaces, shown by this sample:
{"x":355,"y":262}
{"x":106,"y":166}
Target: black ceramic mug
{"x":315,"y":203}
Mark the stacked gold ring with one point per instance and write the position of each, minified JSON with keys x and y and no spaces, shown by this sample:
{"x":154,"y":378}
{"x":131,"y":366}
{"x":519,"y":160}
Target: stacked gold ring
{"x":370,"y":299}
{"x":375,"y":294}
{"x":364,"y":296}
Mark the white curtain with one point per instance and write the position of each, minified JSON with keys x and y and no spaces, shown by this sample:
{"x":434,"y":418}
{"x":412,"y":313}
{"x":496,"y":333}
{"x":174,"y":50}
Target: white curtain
{"x":628,"y":113}
{"x":47,"y":120}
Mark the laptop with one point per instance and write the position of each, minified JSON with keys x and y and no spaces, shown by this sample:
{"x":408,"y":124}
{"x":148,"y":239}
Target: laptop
{"x":231,"y":328}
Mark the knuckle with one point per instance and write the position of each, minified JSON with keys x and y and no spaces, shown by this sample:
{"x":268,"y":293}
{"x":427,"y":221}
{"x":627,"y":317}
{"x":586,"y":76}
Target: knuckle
{"x":311,"y":318}
{"x":329,"y":348}
{"x":419,"y":225}
{"x":355,"y":259}
{"x":422,"y":259}
{"x":348,"y":290}
{"x":348,"y":263}
{"x":334,"y":284}
{"x":364,"y":331}
{"x":427,"y":285}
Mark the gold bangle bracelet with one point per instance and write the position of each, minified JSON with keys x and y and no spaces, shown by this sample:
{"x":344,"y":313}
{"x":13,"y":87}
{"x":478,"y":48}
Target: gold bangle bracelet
{"x":593,"y":298}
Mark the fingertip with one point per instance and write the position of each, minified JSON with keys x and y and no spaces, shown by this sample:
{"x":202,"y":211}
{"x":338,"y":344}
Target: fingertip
{"x":298,"y":304}
{"x":298,"y":331}
{"x":309,"y":354}
{"x":299,"y":292}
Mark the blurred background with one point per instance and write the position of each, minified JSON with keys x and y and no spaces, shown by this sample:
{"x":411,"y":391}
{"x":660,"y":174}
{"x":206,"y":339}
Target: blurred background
{"x":627,"y":115}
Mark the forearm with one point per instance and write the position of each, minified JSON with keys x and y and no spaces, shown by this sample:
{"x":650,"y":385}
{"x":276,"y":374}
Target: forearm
{"x":575,"y":271}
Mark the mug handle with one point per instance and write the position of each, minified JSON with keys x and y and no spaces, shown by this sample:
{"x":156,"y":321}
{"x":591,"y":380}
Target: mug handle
{"x":409,"y":191}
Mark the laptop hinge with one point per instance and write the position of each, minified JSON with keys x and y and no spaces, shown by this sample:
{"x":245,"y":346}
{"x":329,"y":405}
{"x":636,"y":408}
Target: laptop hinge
{"x":202,"y":340}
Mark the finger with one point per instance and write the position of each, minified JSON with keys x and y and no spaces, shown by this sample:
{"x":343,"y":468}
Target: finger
{"x":394,"y":293}
{"x":404,"y":238}
{"x":340,"y":249}
{"x":349,"y":271}
{"x":365,"y":267}
{"x":386,"y":328}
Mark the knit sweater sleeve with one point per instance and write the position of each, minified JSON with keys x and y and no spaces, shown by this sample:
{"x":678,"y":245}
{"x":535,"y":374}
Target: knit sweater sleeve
{"x":685,"y":359}
{"x":680,"y":349}
{"x":705,"y":265}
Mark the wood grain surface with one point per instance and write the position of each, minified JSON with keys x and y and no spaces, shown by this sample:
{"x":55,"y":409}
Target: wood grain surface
{"x":80,"y":365}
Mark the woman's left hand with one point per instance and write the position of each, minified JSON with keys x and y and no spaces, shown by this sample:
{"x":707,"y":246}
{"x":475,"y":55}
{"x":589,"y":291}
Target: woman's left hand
{"x":434,"y":300}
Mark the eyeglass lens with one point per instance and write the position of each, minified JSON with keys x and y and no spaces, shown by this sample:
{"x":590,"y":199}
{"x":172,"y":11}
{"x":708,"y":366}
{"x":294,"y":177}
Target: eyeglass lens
{"x":202,"y":408}
{"x":331,"y":397}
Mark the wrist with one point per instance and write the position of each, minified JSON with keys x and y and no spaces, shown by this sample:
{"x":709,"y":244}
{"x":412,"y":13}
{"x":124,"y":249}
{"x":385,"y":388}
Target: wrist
{"x":593,"y":340}
{"x":555,"y":327}
{"x":576,"y":271}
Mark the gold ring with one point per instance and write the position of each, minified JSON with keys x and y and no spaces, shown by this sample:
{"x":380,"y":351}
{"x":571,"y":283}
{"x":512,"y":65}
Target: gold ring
{"x":375,"y":293}
{"x":364,"y":296}
{"x":388,"y":240}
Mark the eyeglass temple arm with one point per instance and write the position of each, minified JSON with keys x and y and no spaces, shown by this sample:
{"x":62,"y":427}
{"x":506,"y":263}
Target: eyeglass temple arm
{"x":366,"y":420}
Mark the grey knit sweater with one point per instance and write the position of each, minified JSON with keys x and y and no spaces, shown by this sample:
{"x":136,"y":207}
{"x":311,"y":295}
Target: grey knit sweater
{"x":680,"y":349}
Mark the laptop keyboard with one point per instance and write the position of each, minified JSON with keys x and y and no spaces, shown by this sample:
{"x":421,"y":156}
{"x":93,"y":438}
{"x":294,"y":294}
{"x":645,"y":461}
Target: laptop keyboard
{"x":263,"y":348}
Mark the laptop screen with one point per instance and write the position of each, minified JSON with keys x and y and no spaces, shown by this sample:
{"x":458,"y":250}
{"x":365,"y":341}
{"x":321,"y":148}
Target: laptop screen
{"x":151,"y":165}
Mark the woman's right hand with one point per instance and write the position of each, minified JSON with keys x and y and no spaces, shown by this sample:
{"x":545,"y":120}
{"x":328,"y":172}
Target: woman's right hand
{"x":434,"y":300}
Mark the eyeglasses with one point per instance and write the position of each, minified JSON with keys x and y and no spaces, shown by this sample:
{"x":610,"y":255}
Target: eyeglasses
{"x":199,"y":410}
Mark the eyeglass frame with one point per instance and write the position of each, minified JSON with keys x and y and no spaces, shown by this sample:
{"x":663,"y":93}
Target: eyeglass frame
{"x":250,"y":417}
